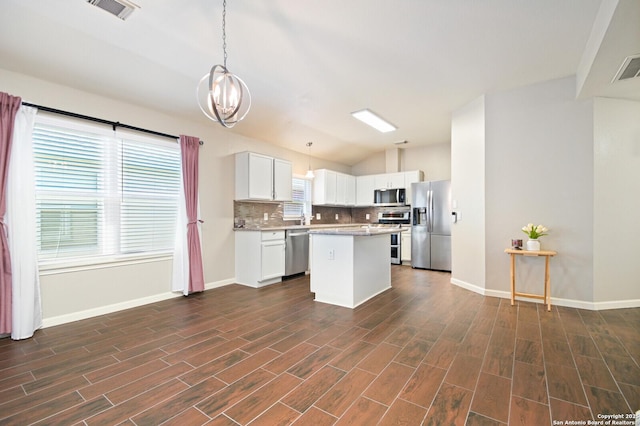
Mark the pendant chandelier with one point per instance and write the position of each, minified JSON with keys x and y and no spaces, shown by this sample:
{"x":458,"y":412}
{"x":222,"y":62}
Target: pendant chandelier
{"x":222,"y":95}
{"x":309,"y":174}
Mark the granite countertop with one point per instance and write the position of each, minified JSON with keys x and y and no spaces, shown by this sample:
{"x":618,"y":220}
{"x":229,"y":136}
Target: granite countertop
{"x":356,"y":231}
{"x":310,"y":227}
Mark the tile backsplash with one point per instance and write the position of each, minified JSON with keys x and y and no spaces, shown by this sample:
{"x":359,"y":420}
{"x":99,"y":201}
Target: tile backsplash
{"x":251,"y":214}
{"x":247,"y":214}
{"x":328,"y":215}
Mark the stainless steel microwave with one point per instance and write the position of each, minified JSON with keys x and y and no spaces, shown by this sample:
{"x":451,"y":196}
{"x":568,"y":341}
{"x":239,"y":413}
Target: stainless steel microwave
{"x":390,"y":197}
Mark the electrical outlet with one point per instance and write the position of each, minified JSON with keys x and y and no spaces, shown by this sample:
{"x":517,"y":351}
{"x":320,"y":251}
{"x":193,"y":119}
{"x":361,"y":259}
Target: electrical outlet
{"x":367,"y":216}
{"x":266,"y":216}
{"x":337,"y":217}
{"x":332,"y":254}
{"x":318,"y":216}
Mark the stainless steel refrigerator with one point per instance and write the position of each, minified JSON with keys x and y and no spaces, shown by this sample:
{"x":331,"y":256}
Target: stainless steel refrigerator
{"x":431,"y":225}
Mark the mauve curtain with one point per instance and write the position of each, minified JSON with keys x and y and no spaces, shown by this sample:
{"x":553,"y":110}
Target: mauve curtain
{"x":190,"y":147}
{"x":9,"y":106}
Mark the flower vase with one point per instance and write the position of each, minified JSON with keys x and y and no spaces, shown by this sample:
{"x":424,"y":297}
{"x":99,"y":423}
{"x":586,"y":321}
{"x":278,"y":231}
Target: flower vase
{"x":533,"y":245}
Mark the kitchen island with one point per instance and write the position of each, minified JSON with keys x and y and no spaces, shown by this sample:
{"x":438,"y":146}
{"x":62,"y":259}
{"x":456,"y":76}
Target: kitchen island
{"x":350,"y":265}
{"x":261,"y":253}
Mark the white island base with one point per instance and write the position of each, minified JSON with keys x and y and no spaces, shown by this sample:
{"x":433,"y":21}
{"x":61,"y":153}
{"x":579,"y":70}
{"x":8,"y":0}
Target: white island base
{"x":347,"y":269}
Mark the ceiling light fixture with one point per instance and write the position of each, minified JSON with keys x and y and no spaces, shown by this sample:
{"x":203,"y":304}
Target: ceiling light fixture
{"x":118,"y":8}
{"x":369,"y":117}
{"x":630,"y":68}
{"x":226,"y":98}
{"x":309,"y":174}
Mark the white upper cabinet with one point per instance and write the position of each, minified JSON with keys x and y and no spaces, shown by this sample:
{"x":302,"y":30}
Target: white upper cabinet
{"x":389,"y":181}
{"x":260,"y":177}
{"x":254,"y":176}
{"x":333,"y":188}
{"x":345,"y":189}
{"x":340,"y":189}
{"x":409,"y":178}
{"x":350,"y":199}
{"x":324,"y":187}
{"x":365,"y":185}
{"x":282,"y":178}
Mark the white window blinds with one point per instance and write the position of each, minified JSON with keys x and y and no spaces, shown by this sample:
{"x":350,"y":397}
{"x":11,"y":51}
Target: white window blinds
{"x":300,"y":204}
{"x":103,"y":195}
{"x":151,"y":182}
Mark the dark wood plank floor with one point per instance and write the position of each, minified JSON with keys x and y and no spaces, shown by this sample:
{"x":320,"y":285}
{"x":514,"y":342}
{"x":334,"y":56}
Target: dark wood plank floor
{"x":424,"y":352}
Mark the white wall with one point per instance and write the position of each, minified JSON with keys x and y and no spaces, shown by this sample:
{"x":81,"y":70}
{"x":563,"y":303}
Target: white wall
{"x":539,"y":168}
{"x":433,"y":160}
{"x":572,"y":165}
{"x":535,"y":146}
{"x":468,"y":259}
{"x":616,"y":232}
{"x":372,"y":165}
{"x":78,"y":294}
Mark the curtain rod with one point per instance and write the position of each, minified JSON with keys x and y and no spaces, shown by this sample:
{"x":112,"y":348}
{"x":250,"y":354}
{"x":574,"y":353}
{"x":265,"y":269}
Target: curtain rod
{"x":113,"y":124}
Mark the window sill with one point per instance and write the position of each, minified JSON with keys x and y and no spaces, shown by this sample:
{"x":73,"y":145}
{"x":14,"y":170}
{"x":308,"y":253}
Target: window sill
{"x":63,"y":267}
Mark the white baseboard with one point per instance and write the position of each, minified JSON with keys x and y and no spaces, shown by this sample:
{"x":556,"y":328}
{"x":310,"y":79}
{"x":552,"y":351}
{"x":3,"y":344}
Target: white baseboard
{"x":617,"y":304}
{"x":108,"y":309}
{"x":569,"y":303}
{"x":221,"y":283}
{"x":467,"y":286}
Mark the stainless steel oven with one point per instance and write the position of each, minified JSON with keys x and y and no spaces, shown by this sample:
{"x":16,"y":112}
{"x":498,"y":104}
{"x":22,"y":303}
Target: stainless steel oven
{"x":395,"y":218}
{"x":396,"y":249}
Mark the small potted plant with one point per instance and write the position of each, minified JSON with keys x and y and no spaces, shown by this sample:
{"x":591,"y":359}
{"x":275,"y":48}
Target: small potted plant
{"x":534,"y":232}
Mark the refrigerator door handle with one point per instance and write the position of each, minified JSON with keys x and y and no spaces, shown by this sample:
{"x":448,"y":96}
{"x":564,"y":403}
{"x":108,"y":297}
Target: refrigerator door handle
{"x":430,"y":209}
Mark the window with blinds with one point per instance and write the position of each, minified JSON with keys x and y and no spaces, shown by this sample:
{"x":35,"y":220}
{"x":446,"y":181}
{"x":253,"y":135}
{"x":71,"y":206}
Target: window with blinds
{"x":101,"y":196}
{"x":300,"y":204}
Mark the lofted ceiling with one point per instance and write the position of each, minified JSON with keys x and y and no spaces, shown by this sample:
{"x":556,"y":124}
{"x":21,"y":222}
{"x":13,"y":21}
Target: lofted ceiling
{"x":309,"y":64}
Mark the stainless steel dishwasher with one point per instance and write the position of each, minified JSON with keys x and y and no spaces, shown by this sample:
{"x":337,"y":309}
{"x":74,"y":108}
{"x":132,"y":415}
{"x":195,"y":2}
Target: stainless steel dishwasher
{"x":296,"y":258}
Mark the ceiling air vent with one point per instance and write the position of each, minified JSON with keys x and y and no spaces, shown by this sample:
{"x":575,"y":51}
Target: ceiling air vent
{"x":630,"y":68}
{"x":119,"y":8}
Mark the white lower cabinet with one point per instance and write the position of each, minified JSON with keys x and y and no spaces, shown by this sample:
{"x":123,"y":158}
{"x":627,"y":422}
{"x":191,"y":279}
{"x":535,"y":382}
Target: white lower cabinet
{"x":272,"y":260}
{"x":405,"y":250}
{"x":259,"y":257}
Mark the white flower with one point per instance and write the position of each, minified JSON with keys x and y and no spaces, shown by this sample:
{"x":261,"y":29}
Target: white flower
{"x":534,"y":231}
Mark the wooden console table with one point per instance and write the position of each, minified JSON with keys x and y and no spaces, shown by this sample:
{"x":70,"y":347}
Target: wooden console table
{"x":547,"y":282}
